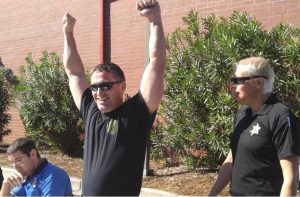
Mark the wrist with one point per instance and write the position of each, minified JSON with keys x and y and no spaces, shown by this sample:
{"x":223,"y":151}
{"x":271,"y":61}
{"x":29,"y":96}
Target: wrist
{"x":6,"y":184}
{"x":68,"y":32}
{"x":155,"y":19}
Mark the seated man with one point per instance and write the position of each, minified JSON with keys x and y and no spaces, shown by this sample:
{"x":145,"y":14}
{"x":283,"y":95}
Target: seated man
{"x":33,"y":176}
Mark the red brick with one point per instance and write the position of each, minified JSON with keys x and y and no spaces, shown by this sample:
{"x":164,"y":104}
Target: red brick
{"x":293,"y":11}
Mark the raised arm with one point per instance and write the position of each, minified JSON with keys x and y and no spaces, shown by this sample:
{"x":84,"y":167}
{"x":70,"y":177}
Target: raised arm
{"x":152,"y":84}
{"x":72,"y":62}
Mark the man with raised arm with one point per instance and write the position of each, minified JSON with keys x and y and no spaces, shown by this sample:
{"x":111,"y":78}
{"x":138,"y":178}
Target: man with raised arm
{"x":116,"y":130}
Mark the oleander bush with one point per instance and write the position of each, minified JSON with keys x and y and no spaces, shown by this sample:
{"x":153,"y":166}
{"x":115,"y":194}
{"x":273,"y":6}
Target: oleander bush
{"x":7,"y":80}
{"x":197,"y":111}
{"x":46,"y":105}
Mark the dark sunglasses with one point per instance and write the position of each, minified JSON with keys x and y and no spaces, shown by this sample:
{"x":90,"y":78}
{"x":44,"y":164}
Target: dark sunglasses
{"x":241,"y":80}
{"x":104,"y":86}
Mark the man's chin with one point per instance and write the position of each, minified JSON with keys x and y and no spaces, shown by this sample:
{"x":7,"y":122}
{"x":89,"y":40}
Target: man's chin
{"x":103,"y":108}
{"x":240,"y":101}
{"x":236,"y":97}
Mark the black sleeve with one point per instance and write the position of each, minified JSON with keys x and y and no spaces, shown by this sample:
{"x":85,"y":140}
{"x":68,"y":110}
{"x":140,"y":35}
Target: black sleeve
{"x":86,"y":101}
{"x":286,"y":135}
{"x":1,"y":178}
{"x":144,"y":111}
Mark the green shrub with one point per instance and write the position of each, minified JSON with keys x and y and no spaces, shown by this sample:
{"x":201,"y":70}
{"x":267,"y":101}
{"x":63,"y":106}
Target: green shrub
{"x":7,"y":78}
{"x":197,"y":109}
{"x":46,"y":105}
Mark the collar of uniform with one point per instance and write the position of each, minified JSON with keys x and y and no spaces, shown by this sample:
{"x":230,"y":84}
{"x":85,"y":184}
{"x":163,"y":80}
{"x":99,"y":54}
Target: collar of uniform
{"x":266,"y":107}
{"x":39,"y":168}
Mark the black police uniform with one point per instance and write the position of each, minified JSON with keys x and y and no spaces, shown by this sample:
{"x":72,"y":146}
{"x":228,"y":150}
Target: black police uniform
{"x":258,"y":144}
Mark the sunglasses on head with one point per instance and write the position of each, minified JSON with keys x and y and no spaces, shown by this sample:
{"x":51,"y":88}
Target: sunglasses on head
{"x":241,"y":80}
{"x":104,"y":86}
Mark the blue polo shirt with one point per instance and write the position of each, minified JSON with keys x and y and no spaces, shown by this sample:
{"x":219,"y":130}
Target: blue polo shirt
{"x":47,"y":180}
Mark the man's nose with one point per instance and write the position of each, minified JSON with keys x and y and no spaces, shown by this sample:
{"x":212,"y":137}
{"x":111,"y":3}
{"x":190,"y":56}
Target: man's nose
{"x":99,"y":91}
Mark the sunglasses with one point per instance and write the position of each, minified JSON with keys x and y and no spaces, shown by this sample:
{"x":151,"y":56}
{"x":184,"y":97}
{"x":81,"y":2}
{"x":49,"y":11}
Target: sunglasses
{"x":103,"y":86}
{"x":241,"y":80}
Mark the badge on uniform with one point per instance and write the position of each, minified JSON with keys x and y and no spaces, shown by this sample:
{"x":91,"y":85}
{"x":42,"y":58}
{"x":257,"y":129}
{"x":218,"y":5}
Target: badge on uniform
{"x":255,"y":129}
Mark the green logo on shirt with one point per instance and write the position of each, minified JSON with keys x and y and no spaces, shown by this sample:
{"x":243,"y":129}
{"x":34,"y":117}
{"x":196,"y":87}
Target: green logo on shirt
{"x":112,"y":126}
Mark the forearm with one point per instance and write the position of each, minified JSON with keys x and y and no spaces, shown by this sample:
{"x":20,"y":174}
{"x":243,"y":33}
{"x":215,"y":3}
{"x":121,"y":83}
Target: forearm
{"x":223,"y":179}
{"x":72,"y":62}
{"x":5,"y":189}
{"x":288,"y":190}
{"x":289,"y":166}
{"x":157,"y":46}
{"x":290,"y":185}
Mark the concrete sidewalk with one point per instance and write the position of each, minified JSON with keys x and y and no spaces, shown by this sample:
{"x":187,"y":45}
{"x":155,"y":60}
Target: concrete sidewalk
{"x":77,"y":187}
{"x":145,"y":192}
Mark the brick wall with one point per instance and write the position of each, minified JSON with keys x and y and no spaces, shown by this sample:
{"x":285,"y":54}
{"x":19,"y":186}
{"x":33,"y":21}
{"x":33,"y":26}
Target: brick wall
{"x":35,"y":25}
{"x":129,"y":30}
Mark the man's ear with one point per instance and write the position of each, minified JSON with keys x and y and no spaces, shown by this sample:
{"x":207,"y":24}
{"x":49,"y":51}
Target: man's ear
{"x":260,"y":83}
{"x":33,"y":153}
{"x":124,"y":86}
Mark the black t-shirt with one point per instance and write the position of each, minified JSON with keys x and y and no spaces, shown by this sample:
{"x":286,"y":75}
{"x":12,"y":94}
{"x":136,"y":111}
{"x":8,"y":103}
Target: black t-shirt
{"x":114,"y":148}
{"x":258,"y":144}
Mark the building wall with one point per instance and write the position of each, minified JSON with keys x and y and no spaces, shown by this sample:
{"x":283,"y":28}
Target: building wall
{"x":35,"y":25}
{"x":129,"y":31}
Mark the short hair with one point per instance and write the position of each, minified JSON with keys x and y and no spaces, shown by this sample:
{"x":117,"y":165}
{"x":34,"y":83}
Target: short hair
{"x":111,"y":68}
{"x":25,"y":145}
{"x":258,"y":66}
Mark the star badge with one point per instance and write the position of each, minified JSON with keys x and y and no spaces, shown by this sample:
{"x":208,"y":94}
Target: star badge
{"x":255,"y":129}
